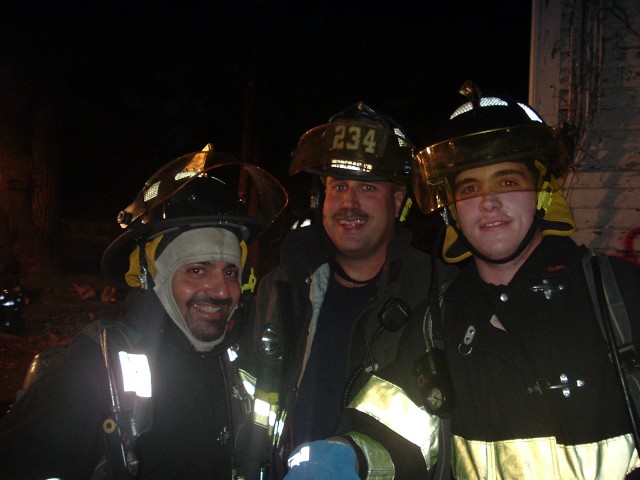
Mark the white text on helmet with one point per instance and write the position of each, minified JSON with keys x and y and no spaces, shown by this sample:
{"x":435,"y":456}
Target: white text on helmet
{"x":351,"y":165}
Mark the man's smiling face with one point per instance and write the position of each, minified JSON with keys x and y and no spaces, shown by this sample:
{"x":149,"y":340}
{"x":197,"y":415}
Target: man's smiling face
{"x":206,"y":294}
{"x":359,"y":217}
{"x":496,"y":206}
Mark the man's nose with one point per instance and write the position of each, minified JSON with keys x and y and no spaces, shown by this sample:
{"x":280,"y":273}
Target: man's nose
{"x":350,"y":197}
{"x":216,"y":286}
{"x":489,"y":201}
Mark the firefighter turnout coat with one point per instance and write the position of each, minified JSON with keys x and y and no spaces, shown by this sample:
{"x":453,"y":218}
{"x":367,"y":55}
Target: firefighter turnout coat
{"x":288,"y":302}
{"x":536,"y":395}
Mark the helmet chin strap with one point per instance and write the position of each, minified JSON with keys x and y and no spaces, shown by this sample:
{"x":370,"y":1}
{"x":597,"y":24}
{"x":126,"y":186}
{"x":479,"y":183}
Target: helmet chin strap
{"x":523,"y":244}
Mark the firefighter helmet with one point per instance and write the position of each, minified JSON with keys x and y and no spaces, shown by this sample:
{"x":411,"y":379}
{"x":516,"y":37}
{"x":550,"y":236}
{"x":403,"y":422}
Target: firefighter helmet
{"x":196,"y":190}
{"x":357,"y":143}
{"x":483,"y":131}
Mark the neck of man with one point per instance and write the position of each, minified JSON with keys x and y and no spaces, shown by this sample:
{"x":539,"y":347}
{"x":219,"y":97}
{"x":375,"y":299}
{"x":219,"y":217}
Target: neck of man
{"x":503,"y":273}
{"x":360,"y":269}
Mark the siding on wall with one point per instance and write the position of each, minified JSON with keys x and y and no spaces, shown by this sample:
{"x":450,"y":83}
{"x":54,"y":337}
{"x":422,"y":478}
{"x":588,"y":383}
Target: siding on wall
{"x":596,"y":61}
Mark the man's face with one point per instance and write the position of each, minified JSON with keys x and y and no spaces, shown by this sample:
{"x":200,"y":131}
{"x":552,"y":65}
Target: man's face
{"x":359,"y":217}
{"x":205,"y":294}
{"x":496,"y":205}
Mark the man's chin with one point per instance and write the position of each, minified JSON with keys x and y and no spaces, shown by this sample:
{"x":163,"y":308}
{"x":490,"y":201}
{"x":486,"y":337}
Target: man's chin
{"x":209,"y":337}
{"x":207,"y":331}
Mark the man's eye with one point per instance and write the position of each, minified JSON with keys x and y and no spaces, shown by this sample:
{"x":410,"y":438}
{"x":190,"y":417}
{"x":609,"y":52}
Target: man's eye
{"x":232,"y":272}
{"x":510,"y":184}
{"x":367,"y":187}
{"x":466,"y":191}
{"x":195,"y":270}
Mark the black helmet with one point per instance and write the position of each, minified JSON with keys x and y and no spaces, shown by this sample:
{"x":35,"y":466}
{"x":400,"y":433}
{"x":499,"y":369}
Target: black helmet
{"x":357,"y":143}
{"x":484,"y":131}
{"x":199,"y":189}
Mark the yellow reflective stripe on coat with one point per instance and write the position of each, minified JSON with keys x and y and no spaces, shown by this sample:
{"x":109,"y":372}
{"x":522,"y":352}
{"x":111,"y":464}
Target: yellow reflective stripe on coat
{"x":265,"y":409}
{"x":379,"y":463}
{"x":392,"y":407}
{"x":544,"y":459}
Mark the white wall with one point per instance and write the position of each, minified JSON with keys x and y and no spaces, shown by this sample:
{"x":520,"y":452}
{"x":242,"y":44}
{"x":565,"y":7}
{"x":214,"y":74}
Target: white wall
{"x":585,"y":69}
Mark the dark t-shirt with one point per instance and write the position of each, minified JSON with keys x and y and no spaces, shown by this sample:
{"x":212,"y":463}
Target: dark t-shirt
{"x":319,"y":403}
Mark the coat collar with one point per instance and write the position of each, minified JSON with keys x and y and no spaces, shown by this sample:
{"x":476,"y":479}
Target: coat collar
{"x":305,"y":249}
{"x":554,"y":257}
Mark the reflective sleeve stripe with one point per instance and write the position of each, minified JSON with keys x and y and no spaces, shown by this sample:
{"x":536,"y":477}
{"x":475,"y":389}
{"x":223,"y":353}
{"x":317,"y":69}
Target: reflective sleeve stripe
{"x":379,"y":463}
{"x":391,"y":406}
{"x":136,"y":375}
{"x":544,"y":458}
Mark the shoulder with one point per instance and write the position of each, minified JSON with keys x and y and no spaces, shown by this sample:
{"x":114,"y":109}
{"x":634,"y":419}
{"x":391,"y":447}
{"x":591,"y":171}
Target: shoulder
{"x":116,"y":328}
{"x":626,"y":272}
{"x":303,"y":251}
{"x":627,"y":276}
{"x":624,"y":267}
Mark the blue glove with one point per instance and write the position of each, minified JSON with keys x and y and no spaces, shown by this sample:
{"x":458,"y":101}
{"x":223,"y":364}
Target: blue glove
{"x":324,"y":460}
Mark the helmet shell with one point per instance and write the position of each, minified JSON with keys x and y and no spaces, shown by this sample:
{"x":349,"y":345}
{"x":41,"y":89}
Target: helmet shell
{"x":357,"y":143}
{"x":484,"y":132}
{"x":196,"y":190}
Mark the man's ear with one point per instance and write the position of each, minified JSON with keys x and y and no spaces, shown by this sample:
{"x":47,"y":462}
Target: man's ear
{"x":399,"y":196}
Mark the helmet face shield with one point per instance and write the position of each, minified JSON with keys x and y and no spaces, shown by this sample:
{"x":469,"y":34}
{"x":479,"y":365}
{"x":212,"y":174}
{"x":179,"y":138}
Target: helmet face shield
{"x":437,"y":166}
{"x":203,"y":188}
{"x":356,"y":144}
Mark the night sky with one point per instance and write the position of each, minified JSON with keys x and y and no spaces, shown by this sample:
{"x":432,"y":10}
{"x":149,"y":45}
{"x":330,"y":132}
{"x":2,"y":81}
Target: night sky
{"x":145,"y":83}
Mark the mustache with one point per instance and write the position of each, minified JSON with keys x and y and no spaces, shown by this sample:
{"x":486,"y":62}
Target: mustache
{"x":209,"y":299}
{"x":350,"y":214}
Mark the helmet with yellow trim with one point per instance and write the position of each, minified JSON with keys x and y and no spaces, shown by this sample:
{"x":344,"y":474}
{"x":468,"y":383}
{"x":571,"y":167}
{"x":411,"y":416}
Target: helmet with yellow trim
{"x":357,"y":143}
{"x":197,"y":190}
{"x":487,"y":130}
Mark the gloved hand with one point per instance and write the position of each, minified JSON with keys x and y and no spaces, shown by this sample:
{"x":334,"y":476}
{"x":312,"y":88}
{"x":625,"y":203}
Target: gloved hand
{"x":323,"y":459}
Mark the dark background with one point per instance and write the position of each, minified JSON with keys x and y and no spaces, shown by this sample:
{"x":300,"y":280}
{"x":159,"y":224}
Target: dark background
{"x":145,"y":82}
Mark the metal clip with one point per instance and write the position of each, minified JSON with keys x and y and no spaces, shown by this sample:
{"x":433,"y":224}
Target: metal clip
{"x":225,"y":436}
{"x":465,"y":347}
{"x":564,"y":385}
{"x":547,"y":289}
{"x":142,"y":278}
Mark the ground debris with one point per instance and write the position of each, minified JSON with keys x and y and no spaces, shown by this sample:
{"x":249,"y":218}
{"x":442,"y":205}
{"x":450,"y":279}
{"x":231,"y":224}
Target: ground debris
{"x":50,"y":322}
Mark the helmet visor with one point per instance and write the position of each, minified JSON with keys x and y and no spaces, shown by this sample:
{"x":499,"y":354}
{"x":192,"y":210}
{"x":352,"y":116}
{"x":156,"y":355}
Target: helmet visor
{"x":437,"y":166}
{"x":219,"y":169}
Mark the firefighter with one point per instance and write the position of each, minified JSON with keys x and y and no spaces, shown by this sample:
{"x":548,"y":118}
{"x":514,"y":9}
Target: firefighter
{"x":534,"y":392}
{"x":332,"y":312}
{"x":156,"y":394}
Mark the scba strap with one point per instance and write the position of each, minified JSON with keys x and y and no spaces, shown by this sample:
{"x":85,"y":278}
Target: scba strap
{"x":615,"y":325}
{"x":130,"y":413}
{"x":615,"y":304}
